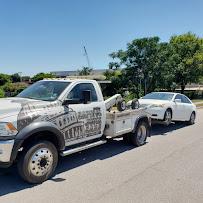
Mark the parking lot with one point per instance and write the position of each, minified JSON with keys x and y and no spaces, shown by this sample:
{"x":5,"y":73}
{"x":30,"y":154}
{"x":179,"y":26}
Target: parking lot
{"x":168,"y":168}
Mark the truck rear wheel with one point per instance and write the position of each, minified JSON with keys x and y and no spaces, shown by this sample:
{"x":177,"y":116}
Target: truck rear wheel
{"x":140,"y":135}
{"x":38,"y":162}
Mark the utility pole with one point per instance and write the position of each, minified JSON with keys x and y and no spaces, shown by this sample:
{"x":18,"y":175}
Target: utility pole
{"x":87,"y":57}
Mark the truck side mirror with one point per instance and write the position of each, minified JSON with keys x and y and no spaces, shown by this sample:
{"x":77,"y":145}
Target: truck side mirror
{"x":86,"y":96}
{"x":66,"y":102}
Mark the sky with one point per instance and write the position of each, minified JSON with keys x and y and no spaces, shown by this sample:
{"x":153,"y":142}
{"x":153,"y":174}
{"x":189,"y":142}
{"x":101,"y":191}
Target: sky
{"x":49,"y":35}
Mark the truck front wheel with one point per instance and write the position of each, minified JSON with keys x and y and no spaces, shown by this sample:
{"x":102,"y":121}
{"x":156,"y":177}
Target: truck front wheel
{"x":141,"y":133}
{"x":38,"y":162}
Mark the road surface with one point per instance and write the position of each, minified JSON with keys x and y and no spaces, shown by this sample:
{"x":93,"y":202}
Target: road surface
{"x":169,"y":168}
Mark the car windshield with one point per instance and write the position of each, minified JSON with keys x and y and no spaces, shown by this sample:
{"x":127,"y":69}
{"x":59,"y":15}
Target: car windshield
{"x":159,"y":96}
{"x":44,"y":90}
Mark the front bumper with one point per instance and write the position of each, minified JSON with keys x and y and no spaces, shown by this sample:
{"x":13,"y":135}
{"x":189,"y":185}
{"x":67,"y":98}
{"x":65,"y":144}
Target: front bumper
{"x":6,"y":147}
{"x":156,"y":113}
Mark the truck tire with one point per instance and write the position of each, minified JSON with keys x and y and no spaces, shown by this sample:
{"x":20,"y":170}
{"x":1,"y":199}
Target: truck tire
{"x":138,"y":138}
{"x":38,"y":162}
{"x":121,"y":105}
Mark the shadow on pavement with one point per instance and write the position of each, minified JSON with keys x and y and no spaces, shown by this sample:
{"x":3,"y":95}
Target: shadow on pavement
{"x":158,"y":129}
{"x":11,"y":182}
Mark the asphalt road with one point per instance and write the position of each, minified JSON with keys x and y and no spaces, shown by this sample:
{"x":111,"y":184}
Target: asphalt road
{"x":168,"y":168}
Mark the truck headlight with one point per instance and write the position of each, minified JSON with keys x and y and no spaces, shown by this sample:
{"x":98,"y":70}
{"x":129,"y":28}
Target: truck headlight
{"x":7,"y":129}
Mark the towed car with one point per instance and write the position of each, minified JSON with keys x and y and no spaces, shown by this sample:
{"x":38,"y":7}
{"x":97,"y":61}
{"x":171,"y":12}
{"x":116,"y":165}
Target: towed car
{"x":169,"y":106}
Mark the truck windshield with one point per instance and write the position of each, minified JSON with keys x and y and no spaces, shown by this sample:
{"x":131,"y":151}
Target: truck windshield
{"x":44,"y":90}
{"x":159,"y":96}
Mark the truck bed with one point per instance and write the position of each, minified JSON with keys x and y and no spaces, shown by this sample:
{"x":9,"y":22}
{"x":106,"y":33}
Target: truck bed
{"x":119,"y":123}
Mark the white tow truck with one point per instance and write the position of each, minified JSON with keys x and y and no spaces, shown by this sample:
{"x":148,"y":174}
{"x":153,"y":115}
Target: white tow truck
{"x":58,"y":117}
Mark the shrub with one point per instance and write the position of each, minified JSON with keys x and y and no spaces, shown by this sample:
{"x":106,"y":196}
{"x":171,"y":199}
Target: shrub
{"x":2,"y":93}
{"x":12,"y":89}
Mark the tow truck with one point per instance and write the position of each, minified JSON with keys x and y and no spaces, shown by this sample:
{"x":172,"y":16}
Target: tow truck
{"x":59,"y":117}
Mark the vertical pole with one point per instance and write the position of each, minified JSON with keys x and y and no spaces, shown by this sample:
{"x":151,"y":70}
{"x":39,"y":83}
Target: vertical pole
{"x":88,"y":61}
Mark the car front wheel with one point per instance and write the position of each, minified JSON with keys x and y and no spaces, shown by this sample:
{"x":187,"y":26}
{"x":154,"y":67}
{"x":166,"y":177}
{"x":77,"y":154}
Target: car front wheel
{"x":38,"y":162}
{"x":168,"y":117}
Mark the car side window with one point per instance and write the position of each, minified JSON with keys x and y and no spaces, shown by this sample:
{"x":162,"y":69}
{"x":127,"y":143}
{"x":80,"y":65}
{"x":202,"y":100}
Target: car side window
{"x":77,"y":92}
{"x":179,"y":97}
{"x":185,"y":100}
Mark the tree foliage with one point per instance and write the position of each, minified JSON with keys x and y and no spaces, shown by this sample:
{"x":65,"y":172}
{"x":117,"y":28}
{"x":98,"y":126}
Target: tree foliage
{"x":41,"y":76}
{"x":85,"y":71}
{"x":2,"y":93}
{"x":4,"y":78}
{"x":15,"y":78}
{"x":187,"y":52}
{"x":12,"y":89}
{"x":149,"y":64}
{"x":140,"y":61}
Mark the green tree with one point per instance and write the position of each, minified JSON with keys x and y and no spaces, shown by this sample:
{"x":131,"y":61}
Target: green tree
{"x":114,"y":65}
{"x":4,"y":78}
{"x":187,"y":54}
{"x":140,"y":61}
{"x":15,"y":78}
{"x":109,"y":74}
{"x":12,"y":89}
{"x":85,"y":71}
{"x":2,"y":93}
{"x":41,"y":76}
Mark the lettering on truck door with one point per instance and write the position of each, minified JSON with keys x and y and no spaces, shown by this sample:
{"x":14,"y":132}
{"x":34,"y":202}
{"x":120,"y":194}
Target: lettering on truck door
{"x":86,"y":118}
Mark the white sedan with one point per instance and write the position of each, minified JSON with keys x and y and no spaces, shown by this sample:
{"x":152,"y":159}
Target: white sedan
{"x":168,"y":107}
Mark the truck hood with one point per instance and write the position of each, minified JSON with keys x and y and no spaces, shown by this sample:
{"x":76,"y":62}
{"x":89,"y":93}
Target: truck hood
{"x":12,"y":106}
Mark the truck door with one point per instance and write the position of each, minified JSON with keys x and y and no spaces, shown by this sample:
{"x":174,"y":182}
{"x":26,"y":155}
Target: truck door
{"x":86,"y":121}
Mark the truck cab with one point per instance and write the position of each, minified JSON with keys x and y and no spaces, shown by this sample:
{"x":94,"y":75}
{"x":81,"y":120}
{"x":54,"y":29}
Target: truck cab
{"x":59,"y":117}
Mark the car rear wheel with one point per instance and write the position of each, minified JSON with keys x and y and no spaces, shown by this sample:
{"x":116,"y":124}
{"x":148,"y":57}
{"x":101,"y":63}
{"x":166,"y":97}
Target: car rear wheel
{"x":168,"y":117}
{"x":192,"y":119}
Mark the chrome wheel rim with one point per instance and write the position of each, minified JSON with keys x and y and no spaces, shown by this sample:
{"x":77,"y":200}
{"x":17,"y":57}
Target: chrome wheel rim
{"x":141,"y":134}
{"x":41,"y":162}
{"x":168,"y":117}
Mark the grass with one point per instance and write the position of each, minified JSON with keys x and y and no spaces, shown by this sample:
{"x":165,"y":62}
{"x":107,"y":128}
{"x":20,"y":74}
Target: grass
{"x":197,"y":100}
{"x":200,"y":105}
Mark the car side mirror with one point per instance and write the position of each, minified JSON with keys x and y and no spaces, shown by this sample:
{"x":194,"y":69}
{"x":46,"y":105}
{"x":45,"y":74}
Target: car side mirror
{"x":178,"y":101}
{"x":86,"y":96}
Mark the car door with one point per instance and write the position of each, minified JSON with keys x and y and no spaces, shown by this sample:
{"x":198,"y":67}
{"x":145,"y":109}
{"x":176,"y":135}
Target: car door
{"x":85,"y":120}
{"x":188,"y":107}
{"x":179,"y":108}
